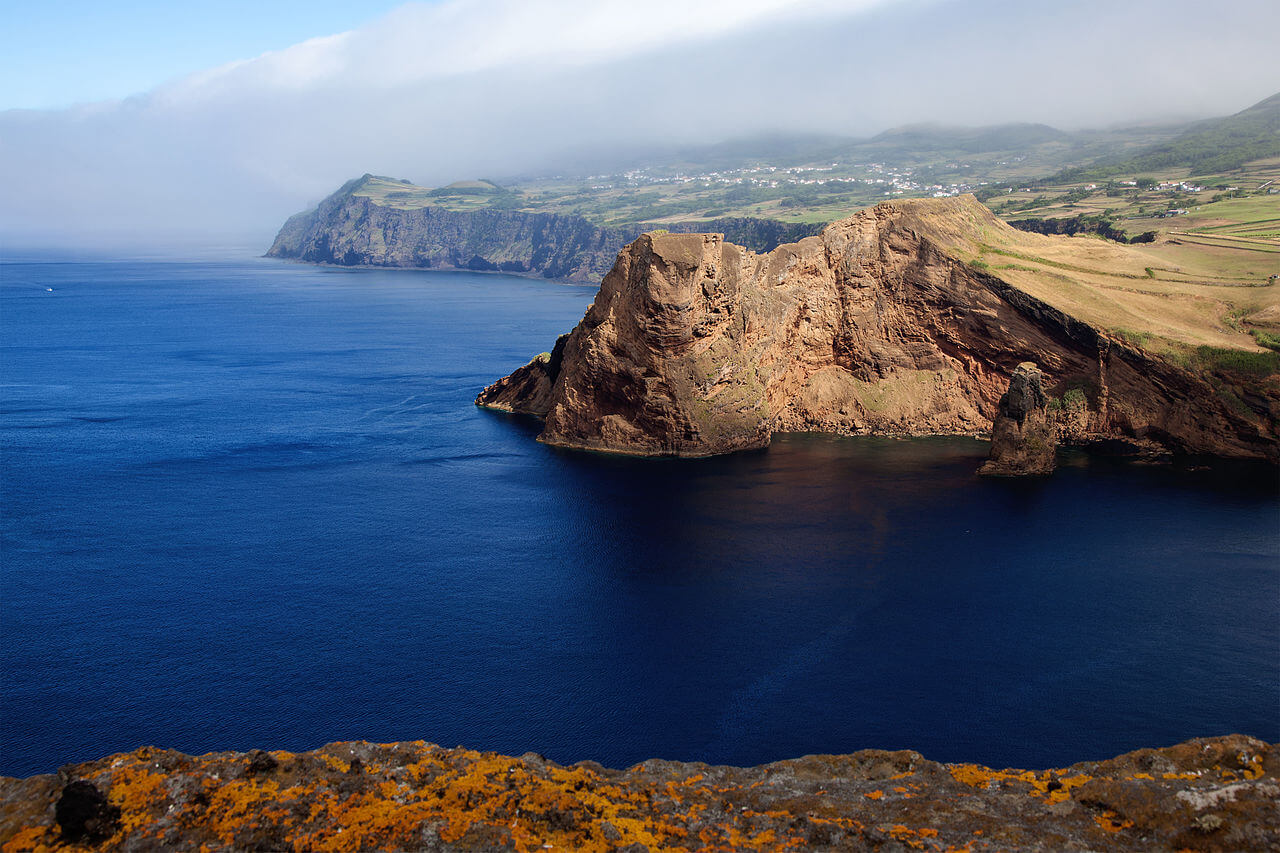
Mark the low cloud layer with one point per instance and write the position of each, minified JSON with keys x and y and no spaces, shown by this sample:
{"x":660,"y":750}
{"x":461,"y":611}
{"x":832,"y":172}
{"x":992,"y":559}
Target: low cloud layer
{"x":438,"y":92}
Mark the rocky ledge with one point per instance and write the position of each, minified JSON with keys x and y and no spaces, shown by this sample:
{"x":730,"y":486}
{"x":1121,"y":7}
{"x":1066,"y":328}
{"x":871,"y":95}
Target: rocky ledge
{"x":1217,"y":793}
{"x":695,"y":346}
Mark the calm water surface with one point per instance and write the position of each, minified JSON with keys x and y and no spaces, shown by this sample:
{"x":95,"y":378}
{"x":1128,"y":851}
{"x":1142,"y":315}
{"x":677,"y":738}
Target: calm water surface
{"x":250,"y":504}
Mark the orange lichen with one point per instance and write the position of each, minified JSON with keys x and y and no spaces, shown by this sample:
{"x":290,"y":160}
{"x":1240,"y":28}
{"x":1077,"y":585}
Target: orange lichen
{"x":977,"y":776}
{"x":910,"y":837}
{"x":1050,"y":784}
{"x":1110,"y":822}
{"x":874,"y":795}
{"x":1063,"y":793}
{"x":31,"y":839}
{"x":335,"y":763}
{"x":135,"y":789}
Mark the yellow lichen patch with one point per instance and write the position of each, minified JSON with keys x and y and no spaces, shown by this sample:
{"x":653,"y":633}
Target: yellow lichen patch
{"x":335,"y":763}
{"x":1189,"y":775}
{"x":977,"y":776}
{"x":1049,"y":784}
{"x":973,"y":775}
{"x":31,"y":839}
{"x":1062,"y":794}
{"x":368,"y":821}
{"x":138,"y":792}
{"x":911,"y":837}
{"x":1110,"y":822}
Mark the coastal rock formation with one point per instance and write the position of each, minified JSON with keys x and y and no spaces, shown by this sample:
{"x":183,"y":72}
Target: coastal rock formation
{"x":352,"y":229}
{"x":1024,"y":437}
{"x":695,"y":346}
{"x":1210,"y":794}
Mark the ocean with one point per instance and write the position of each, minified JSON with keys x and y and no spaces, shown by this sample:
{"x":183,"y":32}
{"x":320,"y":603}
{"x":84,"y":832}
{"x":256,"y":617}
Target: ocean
{"x":249,"y":504}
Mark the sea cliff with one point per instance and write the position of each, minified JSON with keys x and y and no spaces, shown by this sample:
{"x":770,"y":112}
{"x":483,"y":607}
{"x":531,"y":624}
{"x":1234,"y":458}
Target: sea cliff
{"x":364,"y":225}
{"x":891,"y":322}
{"x":1217,"y":793}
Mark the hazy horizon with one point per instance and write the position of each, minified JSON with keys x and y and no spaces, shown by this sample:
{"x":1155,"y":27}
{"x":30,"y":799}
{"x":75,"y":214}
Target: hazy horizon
{"x":436,"y":92}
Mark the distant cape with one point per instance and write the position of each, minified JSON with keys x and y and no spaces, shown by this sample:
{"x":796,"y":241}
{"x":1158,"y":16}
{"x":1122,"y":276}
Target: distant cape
{"x":380,"y":222}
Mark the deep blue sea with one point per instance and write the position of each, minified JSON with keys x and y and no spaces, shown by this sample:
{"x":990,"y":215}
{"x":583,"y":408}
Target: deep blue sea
{"x":250,"y":504}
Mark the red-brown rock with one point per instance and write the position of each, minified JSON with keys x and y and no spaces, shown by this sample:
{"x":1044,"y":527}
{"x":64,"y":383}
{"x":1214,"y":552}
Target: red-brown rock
{"x":695,"y":346}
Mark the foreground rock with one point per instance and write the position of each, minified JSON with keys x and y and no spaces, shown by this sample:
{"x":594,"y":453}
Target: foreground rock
{"x":695,"y":346}
{"x":1209,"y":794}
{"x":1024,"y":437}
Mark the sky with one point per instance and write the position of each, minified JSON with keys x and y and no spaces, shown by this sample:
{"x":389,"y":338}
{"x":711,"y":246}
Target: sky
{"x":209,"y":123}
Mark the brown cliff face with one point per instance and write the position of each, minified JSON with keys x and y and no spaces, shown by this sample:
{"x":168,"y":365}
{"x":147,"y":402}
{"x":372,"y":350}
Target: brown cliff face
{"x":1024,"y":437}
{"x":695,"y":346}
{"x":1208,"y":794}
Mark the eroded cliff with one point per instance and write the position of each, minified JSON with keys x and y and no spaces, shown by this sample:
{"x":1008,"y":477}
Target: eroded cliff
{"x":1208,"y":794}
{"x":364,"y":224}
{"x":883,"y":324}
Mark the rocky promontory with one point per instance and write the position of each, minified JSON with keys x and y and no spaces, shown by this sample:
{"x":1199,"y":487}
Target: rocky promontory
{"x":368,"y":223}
{"x":1219,"y":793}
{"x":888,"y":322}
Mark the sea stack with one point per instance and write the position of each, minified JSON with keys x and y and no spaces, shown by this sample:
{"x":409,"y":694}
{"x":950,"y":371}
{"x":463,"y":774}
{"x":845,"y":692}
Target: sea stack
{"x":1024,"y":438}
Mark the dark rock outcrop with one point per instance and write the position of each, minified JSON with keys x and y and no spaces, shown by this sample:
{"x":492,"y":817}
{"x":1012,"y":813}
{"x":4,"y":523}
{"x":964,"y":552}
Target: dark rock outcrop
{"x":1024,"y":437}
{"x":1209,"y":794}
{"x":350,"y":229}
{"x":83,"y":813}
{"x":694,"y":346}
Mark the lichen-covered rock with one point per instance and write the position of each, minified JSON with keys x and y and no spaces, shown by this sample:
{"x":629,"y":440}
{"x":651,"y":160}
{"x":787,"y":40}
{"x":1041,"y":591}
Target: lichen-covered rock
{"x":1024,"y":436}
{"x":694,"y":346}
{"x":1209,"y":794}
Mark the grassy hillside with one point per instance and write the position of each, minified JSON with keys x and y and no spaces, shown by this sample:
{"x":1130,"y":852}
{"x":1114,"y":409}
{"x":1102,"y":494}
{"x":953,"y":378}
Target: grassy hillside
{"x":1209,"y":147}
{"x":1190,"y":300}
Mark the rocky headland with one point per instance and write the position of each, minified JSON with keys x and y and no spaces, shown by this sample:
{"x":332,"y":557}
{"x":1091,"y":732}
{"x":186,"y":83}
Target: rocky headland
{"x":894,"y":322}
{"x":1218,"y":793}
{"x":365,"y":224}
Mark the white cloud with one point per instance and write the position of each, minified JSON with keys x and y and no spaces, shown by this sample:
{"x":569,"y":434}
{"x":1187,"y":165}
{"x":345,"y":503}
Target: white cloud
{"x":436,"y":92}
